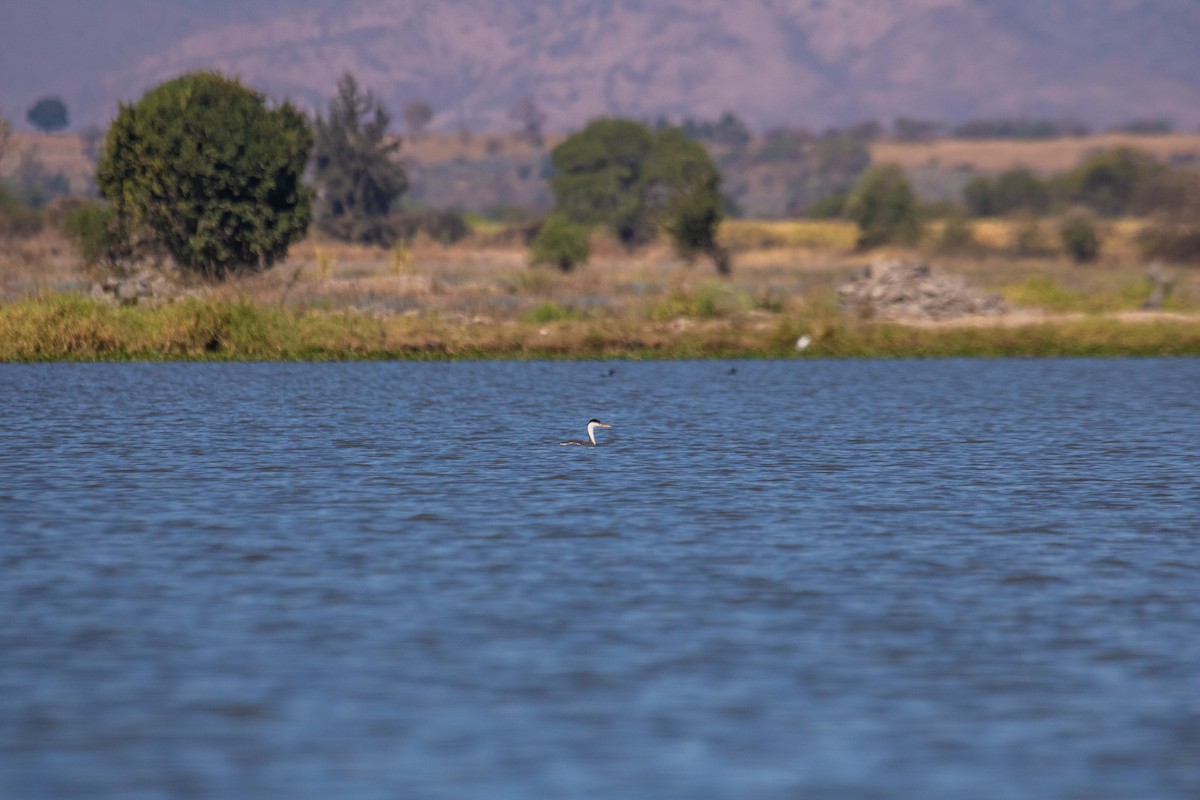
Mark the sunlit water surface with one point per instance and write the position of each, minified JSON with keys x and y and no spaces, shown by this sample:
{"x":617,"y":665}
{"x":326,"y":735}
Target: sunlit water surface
{"x":896,"y":579}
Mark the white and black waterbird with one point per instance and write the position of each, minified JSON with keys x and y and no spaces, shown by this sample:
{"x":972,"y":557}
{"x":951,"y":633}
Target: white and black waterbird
{"x":591,"y":440}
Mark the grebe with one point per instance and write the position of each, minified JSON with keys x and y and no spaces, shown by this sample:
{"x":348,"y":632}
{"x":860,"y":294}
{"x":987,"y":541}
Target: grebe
{"x":591,"y":442}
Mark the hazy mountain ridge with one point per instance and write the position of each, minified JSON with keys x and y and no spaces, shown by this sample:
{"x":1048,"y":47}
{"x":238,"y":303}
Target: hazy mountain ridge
{"x":798,"y":62}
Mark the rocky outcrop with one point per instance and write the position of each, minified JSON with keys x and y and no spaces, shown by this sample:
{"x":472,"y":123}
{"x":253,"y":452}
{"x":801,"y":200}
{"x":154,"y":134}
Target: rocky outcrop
{"x":897,"y":289}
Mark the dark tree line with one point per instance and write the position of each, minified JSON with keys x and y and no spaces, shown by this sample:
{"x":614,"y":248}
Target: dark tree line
{"x":1118,"y":182}
{"x":213,"y":175}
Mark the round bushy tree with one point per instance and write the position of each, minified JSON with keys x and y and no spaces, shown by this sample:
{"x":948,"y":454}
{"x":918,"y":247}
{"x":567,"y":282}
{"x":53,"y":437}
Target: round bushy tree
{"x":1079,"y":237}
{"x":620,"y":174}
{"x":602,"y":176}
{"x":206,"y":170}
{"x":560,"y":242}
{"x":48,"y":114}
{"x":691,"y":201}
{"x":884,"y":206}
{"x":95,"y":231}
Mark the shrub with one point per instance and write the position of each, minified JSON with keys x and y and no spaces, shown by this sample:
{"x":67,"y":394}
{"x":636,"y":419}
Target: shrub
{"x":958,"y":235}
{"x":1172,"y":194}
{"x":979,"y":196}
{"x":1079,"y":237}
{"x":1178,"y":242}
{"x":560,"y":242}
{"x":550,"y":311}
{"x":443,"y":226}
{"x":1020,"y":190}
{"x":202,"y":167}
{"x":710,"y":299}
{"x":1029,"y":239}
{"x":1043,"y":292}
{"x":1011,"y":191}
{"x":16,"y":220}
{"x":884,"y":207}
{"x":1172,"y":198}
{"x":831,"y":206}
{"x":95,"y":231}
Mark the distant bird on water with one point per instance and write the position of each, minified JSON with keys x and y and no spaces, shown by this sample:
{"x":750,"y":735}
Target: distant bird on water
{"x":591,"y":428}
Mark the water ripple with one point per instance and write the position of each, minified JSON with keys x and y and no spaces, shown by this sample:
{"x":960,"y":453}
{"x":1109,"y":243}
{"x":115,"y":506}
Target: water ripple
{"x":844,"y":579}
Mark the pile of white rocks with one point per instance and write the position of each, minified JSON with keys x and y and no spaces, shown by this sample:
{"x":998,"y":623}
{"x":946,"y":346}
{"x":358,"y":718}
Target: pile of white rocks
{"x":898,"y":289}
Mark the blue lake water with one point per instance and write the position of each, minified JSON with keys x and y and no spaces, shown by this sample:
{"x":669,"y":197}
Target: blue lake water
{"x":879,"y":579}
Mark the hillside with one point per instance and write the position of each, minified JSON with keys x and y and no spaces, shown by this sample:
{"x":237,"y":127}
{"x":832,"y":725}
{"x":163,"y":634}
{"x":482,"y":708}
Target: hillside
{"x":796,"y":62}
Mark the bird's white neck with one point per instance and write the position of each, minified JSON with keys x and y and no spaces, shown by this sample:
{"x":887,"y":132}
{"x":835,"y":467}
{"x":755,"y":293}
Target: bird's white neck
{"x":592,"y":431}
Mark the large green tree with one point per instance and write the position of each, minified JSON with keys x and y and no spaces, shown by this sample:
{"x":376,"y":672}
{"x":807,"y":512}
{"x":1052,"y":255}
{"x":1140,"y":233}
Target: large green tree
{"x":619,"y":174}
{"x":357,"y":176}
{"x":48,"y":114}
{"x":885,"y":207}
{"x":688,"y":185}
{"x":208,"y":171}
{"x":602,"y":176}
{"x":560,"y":242}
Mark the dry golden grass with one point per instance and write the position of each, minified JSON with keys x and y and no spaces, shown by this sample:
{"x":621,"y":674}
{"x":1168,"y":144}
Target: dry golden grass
{"x":45,"y":262}
{"x":773,"y":261}
{"x":745,"y":236}
{"x":1118,"y":236}
{"x":1046,"y":157}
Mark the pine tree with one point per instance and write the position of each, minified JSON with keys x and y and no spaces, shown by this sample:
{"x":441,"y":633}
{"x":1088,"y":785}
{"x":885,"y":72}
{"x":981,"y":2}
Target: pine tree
{"x":358,"y":180}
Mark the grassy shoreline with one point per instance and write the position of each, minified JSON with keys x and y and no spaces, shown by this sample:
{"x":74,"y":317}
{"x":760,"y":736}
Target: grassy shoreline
{"x":68,"y":327}
{"x":481,"y":300}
